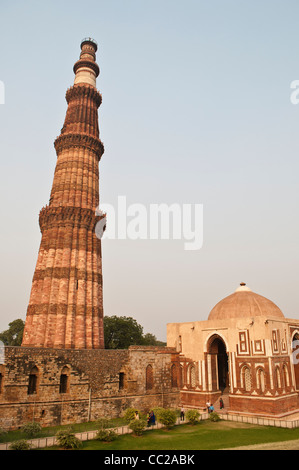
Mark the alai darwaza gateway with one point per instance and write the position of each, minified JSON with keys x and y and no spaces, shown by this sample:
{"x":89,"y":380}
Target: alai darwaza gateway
{"x":246,"y":351}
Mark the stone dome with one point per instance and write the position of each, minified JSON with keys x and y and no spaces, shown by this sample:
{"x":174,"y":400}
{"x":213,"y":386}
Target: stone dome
{"x":244,"y":303}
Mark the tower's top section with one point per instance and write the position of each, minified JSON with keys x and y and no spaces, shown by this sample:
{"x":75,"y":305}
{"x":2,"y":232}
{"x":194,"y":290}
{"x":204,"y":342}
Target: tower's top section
{"x":86,"y":69}
{"x":90,"y":40}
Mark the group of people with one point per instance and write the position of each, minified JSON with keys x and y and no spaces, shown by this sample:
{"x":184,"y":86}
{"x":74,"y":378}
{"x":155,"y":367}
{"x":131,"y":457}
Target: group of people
{"x":151,"y":419}
{"x":210,"y":406}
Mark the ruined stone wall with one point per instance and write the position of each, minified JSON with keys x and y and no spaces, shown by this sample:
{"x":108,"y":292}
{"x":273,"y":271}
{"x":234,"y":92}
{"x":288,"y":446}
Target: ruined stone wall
{"x":97,"y":383}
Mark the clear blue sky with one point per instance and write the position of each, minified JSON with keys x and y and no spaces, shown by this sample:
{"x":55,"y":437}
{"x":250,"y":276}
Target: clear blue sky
{"x":196,"y":109}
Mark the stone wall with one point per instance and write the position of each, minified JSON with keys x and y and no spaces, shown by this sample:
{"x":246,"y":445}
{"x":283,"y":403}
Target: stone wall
{"x":264,"y":406}
{"x":96,"y":383}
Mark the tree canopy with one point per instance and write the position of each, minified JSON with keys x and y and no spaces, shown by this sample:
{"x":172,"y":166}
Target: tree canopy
{"x":14,"y":334}
{"x":122,"y":332}
{"x":119,"y":333}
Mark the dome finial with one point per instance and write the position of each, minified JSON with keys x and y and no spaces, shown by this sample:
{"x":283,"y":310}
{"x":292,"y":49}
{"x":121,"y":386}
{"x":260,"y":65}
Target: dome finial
{"x":243,"y":288}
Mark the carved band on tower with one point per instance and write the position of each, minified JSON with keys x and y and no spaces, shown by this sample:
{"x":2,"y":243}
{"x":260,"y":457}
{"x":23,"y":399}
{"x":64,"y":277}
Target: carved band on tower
{"x":66,"y":303}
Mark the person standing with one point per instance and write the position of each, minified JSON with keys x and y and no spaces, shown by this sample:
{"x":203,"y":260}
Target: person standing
{"x":182,"y":414}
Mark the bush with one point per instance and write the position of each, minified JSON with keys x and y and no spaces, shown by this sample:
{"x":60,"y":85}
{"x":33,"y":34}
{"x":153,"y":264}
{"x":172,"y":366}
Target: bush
{"x":20,"y":445}
{"x":129,"y":414}
{"x":31,"y":429}
{"x":103,"y":423}
{"x":106,"y":435}
{"x":214,"y":416}
{"x":167,"y":417}
{"x":67,"y":439}
{"x":157,"y":412}
{"x":192,"y":416}
{"x":137,"y":426}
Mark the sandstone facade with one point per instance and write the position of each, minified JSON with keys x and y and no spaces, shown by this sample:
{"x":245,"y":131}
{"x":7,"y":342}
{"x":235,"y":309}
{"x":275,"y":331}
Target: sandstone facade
{"x":246,"y":349}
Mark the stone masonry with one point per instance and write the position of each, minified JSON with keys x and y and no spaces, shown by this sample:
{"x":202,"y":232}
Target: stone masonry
{"x":81,"y":385}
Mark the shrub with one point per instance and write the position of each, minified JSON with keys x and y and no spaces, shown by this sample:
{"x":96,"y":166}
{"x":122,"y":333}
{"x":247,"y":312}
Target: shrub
{"x":31,"y":429}
{"x":192,"y":416}
{"x":157,"y":412}
{"x":167,"y":417}
{"x":137,"y":426}
{"x":214,"y":416}
{"x":20,"y":445}
{"x":67,"y":439}
{"x":103,"y":423}
{"x":129,"y":414}
{"x":106,"y":435}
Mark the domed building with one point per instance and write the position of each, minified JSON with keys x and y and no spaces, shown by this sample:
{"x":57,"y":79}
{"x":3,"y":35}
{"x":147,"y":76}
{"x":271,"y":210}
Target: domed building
{"x":246,"y":352}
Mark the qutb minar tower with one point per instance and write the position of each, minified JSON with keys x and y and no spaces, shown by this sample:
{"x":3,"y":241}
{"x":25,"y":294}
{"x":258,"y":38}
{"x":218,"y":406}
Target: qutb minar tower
{"x":66,"y":302}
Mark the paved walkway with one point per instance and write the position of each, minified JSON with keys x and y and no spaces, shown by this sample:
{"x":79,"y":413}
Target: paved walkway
{"x":43,"y":442}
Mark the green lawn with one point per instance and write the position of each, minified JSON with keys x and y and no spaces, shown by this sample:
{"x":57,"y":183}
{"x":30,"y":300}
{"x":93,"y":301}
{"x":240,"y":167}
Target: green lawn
{"x":203,"y":436}
{"x":52,"y":430}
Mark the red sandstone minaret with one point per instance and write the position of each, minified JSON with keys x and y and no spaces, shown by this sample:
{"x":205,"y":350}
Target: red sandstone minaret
{"x":66,"y":302}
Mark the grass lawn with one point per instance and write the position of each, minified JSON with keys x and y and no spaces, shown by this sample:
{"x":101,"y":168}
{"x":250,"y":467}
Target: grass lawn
{"x":52,"y":430}
{"x":203,"y":436}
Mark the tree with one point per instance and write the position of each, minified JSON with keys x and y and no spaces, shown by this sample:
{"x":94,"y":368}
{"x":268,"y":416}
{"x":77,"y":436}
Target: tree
{"x":150,"y":340}
{"x":122,"y":332}
{"x":14,"y":335}
{"x":119,"y":333}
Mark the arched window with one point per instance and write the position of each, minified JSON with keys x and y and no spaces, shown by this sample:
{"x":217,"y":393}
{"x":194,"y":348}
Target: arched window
{"x":295,"y":359}
{"x":174,"y":379}
{"x":191,"y":376}
{"x":260,"y":379}
{"x":286,"y":375}
{"x":64,"y":380}
{"x":277,"y":377}
{"x":32,"y":382}
{"x":246,"y":378}
{"x":149,"y":378}
{"x":181,"y":376}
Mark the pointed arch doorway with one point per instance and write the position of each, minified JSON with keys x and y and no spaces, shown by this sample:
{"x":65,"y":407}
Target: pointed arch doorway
{"x":218,"y":357}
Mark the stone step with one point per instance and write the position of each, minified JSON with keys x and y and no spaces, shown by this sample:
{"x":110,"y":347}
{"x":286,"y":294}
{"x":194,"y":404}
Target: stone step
{"x":225,"y":399}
